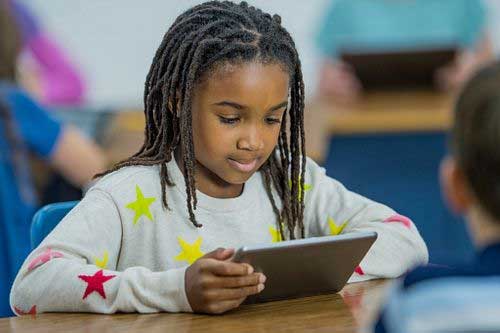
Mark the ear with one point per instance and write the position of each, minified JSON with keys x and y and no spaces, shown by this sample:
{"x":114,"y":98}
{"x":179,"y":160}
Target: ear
{"x":454,"y":186}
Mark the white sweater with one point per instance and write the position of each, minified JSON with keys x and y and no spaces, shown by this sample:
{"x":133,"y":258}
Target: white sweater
{"x":119,"y":250}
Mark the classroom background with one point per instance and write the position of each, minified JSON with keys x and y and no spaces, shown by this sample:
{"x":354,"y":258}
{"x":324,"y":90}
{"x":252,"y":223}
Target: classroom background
{"x":386,"y":145}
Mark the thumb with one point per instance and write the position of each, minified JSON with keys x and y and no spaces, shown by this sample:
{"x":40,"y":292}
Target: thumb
{"x":219,"y":254}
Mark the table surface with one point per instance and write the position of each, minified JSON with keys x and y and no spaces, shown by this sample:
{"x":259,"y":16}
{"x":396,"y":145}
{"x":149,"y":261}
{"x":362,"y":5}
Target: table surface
{"x":351,"y":310}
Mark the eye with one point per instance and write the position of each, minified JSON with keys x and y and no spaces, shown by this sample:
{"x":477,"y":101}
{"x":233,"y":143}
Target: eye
{"x":273,"y":121}
{"x":229,"y":120}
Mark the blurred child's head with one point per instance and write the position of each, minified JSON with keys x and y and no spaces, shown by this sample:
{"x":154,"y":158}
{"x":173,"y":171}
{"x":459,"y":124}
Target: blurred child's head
{"x":471,"y":176}
{"x":221,"y":85}
{"x":10,"y":43}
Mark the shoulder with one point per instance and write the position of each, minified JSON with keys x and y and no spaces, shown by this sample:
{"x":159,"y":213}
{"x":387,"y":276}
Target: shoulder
{"x":431,"y":272}
{"x":115,"y":183}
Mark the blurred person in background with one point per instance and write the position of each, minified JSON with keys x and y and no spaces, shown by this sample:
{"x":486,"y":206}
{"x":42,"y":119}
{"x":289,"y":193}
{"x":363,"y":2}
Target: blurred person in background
{"x":465,"y":297}
{"x":394,"y":25}
{"x":27,"y":127}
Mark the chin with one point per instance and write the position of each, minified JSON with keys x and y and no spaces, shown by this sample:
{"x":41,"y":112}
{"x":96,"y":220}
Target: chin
{"x":237,"y":179}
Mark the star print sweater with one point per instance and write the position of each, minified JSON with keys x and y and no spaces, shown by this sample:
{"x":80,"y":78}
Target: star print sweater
{"x":119,"y":250}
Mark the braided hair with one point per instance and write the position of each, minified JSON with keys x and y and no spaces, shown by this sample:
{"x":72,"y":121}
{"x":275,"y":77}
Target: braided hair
{"x":204,"y":37}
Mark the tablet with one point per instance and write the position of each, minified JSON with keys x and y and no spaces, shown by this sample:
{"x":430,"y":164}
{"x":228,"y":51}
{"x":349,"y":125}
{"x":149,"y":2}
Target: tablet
{"x":401,"y":69}
{"x":306,"y":267}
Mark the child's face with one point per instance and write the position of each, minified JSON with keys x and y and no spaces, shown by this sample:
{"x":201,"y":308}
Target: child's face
{"x":237,"y":112}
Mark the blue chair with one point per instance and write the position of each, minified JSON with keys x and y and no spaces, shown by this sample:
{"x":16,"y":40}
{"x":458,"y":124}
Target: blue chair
{"x":47,"y":218}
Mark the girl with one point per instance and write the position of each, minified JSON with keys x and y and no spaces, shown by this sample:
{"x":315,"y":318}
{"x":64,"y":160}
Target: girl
{"x":224,"y":102}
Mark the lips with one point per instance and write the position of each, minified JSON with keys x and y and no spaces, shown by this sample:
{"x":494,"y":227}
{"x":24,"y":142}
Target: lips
{"x":243,"y":165}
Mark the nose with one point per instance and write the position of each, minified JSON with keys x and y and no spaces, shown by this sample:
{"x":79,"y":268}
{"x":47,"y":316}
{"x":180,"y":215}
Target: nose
{"x":252,"y":139}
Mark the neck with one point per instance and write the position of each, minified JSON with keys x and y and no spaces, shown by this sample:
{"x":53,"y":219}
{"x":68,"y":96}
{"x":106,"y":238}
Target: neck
{"x":208,"y":182}
{"x":484,"y":229}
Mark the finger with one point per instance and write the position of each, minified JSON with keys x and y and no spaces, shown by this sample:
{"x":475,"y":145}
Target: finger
{"x":238,"y":282}
{"x":224,"y":306}
{"x":224,"y":294}
{"x":227,"y":268}
{"x":219,"y":254}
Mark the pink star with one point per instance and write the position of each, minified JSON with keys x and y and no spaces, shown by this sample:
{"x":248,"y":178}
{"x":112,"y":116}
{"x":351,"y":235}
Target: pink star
{"x":359,"y":270}
{"x":47,"y":255}
{"x":20,"y":312}
{"x":95,"y":283}
{"x":399,"y":219}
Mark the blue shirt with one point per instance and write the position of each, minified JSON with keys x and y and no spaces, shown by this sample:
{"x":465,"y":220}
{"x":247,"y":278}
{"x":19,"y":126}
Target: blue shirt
{"x":387,"y":25}
{"x":35,"y":127}
{"x":447,"y":290}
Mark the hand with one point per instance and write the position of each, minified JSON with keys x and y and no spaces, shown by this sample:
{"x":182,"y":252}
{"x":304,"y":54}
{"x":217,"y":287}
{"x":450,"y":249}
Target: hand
{"x":338,"y":80}
{"x":452,"y":76}
{"x":216,"y":285}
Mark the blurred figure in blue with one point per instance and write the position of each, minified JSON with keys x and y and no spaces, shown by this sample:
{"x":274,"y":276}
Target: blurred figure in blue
{"x":26,"y":127}
{"x":465,"y":298}
{"x":396,"y":25}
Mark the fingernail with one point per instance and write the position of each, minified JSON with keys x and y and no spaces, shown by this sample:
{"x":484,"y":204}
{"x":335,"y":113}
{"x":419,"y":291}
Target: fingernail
{"x":262,"y":278}
{"x":260,"y":287}
{"x":250,"y":269}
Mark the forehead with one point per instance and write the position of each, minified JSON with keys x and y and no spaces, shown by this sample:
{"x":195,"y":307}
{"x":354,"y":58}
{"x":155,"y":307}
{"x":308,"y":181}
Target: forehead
{"x":244,"y":80}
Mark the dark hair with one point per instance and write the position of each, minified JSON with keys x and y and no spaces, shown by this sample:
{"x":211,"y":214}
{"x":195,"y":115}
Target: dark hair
{"x":476,"y":136}
{"x":200,"y":39}
{"x":10,"y":43}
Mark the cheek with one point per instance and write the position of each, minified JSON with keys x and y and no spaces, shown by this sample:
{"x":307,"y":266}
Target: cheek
{"x":273,"y":136}
{"x":210,"y":137}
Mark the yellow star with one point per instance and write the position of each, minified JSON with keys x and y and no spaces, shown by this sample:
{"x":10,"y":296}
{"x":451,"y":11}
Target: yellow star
{"x":334,"y":228}
{"x":141,"y":205}
{"x":275,"y":234}
{"x":102,"y":263}
{"x":190,"y":252}
{"x":307,"y":187}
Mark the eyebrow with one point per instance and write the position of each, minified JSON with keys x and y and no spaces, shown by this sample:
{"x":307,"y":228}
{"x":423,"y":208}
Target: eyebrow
{"x":243,"y":107}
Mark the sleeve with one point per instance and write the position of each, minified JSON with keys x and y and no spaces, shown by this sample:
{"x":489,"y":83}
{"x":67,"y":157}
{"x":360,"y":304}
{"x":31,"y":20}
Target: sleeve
{"x":334,"y":23}
{"x":61,"y":82}
{"x":37,"y":128}
{"x":472,"y":22}
{"x":75,"y":269}
{"x":331,"y":209}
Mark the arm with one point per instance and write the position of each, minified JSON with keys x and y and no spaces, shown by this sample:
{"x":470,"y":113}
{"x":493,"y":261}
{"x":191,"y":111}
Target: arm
{"x":331,"y":209}
{"x":75,"y":269}
{"x":66,"y":148}
{"x":76,"y":157}
{"x":467,"y":62}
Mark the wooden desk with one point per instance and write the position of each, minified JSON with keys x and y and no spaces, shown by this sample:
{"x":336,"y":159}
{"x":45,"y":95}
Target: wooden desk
{"x":352,"y":310}
{"x":377,"y":112}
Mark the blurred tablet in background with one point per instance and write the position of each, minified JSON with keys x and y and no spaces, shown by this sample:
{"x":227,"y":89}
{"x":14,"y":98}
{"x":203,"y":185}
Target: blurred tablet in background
{"x":398,"y":69}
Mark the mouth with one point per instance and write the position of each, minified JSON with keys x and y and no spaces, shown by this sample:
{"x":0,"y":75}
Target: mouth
{"x":243,"y":165}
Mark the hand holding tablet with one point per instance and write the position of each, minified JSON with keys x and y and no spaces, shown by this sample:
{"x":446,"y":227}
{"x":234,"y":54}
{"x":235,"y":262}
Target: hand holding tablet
{"x":306,"y":267}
